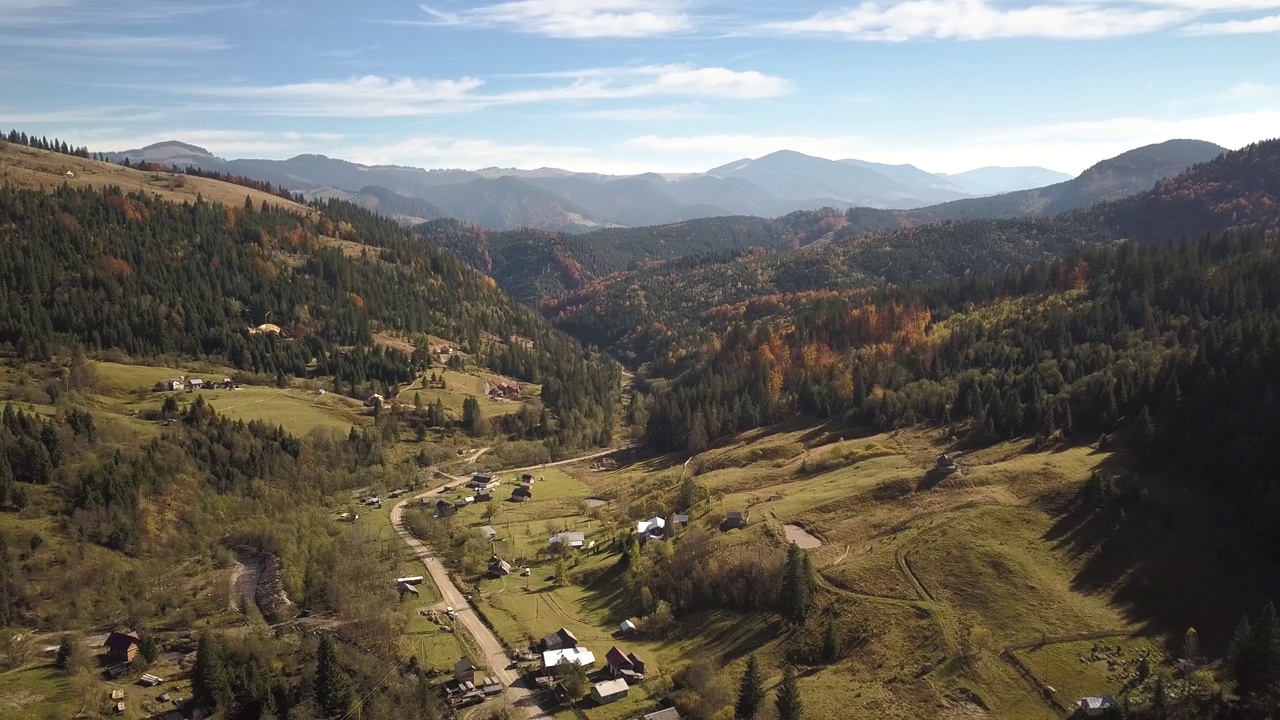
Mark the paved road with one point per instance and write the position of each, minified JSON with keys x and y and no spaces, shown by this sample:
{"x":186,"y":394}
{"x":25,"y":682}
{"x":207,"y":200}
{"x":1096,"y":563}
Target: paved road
{"x":495,"y":656}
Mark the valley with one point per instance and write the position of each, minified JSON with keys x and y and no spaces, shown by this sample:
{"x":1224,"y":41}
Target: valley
{"x":915,"y":467}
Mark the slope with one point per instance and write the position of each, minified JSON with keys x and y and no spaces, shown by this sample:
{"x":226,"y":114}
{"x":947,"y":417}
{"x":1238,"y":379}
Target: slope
{"x":1126,"y":174}
{"x":27,"y":167}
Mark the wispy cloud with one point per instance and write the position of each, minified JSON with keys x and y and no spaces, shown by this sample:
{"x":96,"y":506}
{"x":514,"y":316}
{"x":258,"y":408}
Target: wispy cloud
{"x":378,"y":96}
{"x":658,"y":113}
{"x":108,"y":43}
{"x":123,"y":113}
{"x":571,"y":18}
{"x":1257,"y":26}
{"x":981,"y":20}
{"x":94,"y":13}
{"x":1249,"y":90}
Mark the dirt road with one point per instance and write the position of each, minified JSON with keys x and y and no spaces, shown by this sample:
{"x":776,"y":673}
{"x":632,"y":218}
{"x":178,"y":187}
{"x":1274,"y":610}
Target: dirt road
{"x":495,"y":657}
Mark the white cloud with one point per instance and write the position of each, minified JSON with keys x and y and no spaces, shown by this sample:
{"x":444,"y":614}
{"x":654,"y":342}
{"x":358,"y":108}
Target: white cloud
{"x":1257,"y":26}
{"x":113,"y":44}
{"x":573,"y":18}
{"x":658,"y":113}
{"x":376,"y":96}
{"x":982,"y":20}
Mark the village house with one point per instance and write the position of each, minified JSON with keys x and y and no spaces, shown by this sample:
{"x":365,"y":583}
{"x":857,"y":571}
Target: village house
{"x":505,"y":390}
{"x":499,"y":567}
{"x":945,"y":464}
{"x":488,"y":532}
{"x":651,"y":528}
{"x":195,"y":384}
{"x":121,"y":647}
{"x":571,"y":540}
{"x":464,"y":671}
{"x":169,"y":385}
{"x":521,"y":494}
{"x":626,"y":628}
{"x":582,"y":657}
{"x":445,"y":509}
{"x":609,"y":691}
{"x":624,"y":665}
{"x":483,"y":482}
{"x":526,"y":479}
{"x":484,"y":495}
{"x":1096,"y":706}
{"x":560,"y":640}
{"x":374,"y":400}
{"x":737,"y":519}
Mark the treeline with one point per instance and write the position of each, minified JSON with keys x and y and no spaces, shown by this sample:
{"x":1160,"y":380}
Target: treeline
{"x":240,"y":180}
{"x":129,"y":272}
{"x":1180,"y":342}
{"x":44,"y":143}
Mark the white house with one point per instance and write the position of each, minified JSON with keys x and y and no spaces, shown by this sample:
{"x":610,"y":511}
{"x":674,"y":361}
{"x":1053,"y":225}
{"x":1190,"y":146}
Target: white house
{"x":651,"y":528}
{"x":581,"y":657}
{"x":1097,"y":706}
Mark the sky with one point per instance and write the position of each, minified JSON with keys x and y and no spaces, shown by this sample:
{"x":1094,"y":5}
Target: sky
{"x":629,"y":86}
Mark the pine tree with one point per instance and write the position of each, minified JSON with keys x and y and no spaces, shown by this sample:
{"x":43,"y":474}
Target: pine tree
{"x":333,"y":686}
{"x":750,"y":691}
{"x":148,"y":648}
{"x":210,"y":680}
{"x":830,"y":643}
{"x":797,"y":587}
{"x":66,"y":647}
{"x":788,"y":698}
{"x":1191,"y":646}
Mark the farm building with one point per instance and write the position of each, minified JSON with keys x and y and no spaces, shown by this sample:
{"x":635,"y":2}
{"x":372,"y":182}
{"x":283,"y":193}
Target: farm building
{"x":499,"y":567}
{"x":945,"y":464}
{"x":626,"y":628}
{"x":737,"y":518}
{"x":521,"y":494}
{"x":572,"y":540}
{"x":121,"y":647}
{"x":195,"y":384}
{"x":526,"y":479}
{"x":483,"y":482}
{"x":559,"y":640}
{"x":406,"y":589}
{"x":1096,"y":706}
{"x":581,"y":657}
{"x":608,"y":691}
{"x":484,"y":495}
{"x":464,"y":671}
{"x":505,"y":390}
{"x":374,"y":400}
{"x":488,"y":532}
{"x":665,"y":714}
{"x":444,"y":509}
{"x":681,"y":521}
{"x":169,"y":385}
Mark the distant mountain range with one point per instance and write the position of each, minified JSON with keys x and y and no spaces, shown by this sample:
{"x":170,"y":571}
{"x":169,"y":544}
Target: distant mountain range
{"x":554,"y":199}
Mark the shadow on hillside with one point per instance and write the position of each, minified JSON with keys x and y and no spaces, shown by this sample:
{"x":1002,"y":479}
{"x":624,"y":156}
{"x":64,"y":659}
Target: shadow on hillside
{"x":610,"y":593}
{"x":1169,"y":559}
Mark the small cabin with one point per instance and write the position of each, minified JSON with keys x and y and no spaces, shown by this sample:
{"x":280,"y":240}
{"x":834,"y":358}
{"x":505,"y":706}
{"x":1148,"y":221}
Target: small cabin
{"x":521,"y":494}
{"x":464,"y":671}
{"x":737,"y":518}
{"x":945,"y":464}
{"x":499,"y":567}
{"x":122,"y":647}
{"x":609,"y":691}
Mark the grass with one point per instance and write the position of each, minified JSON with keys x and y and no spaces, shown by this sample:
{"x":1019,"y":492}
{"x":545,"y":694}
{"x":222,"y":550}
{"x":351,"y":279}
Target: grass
{"x":40,"y":691}
{"x":461,"y":385}
{"x":27,"y":167}
{"x":1060,"y":666}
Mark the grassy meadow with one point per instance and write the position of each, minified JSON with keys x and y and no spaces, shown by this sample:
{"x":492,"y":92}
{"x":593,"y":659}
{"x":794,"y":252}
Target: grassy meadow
{"x":951,"y":578}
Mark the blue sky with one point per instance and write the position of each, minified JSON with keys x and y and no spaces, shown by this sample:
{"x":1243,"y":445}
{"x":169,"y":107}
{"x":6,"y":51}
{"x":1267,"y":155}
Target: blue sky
{"x":627,"y":86}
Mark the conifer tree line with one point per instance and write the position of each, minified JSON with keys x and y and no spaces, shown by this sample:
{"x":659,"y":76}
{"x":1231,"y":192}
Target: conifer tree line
{"x":44,"y":143}
{"x":1178,"y":344}
{"x":116,"y":271}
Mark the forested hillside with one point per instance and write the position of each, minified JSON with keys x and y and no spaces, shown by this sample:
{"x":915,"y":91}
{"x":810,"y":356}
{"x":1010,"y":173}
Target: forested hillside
{"x":533,"y":265}
{"x":151,"y":278}
{"x":1165,"y":341}
{"x":1239,"y":189}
